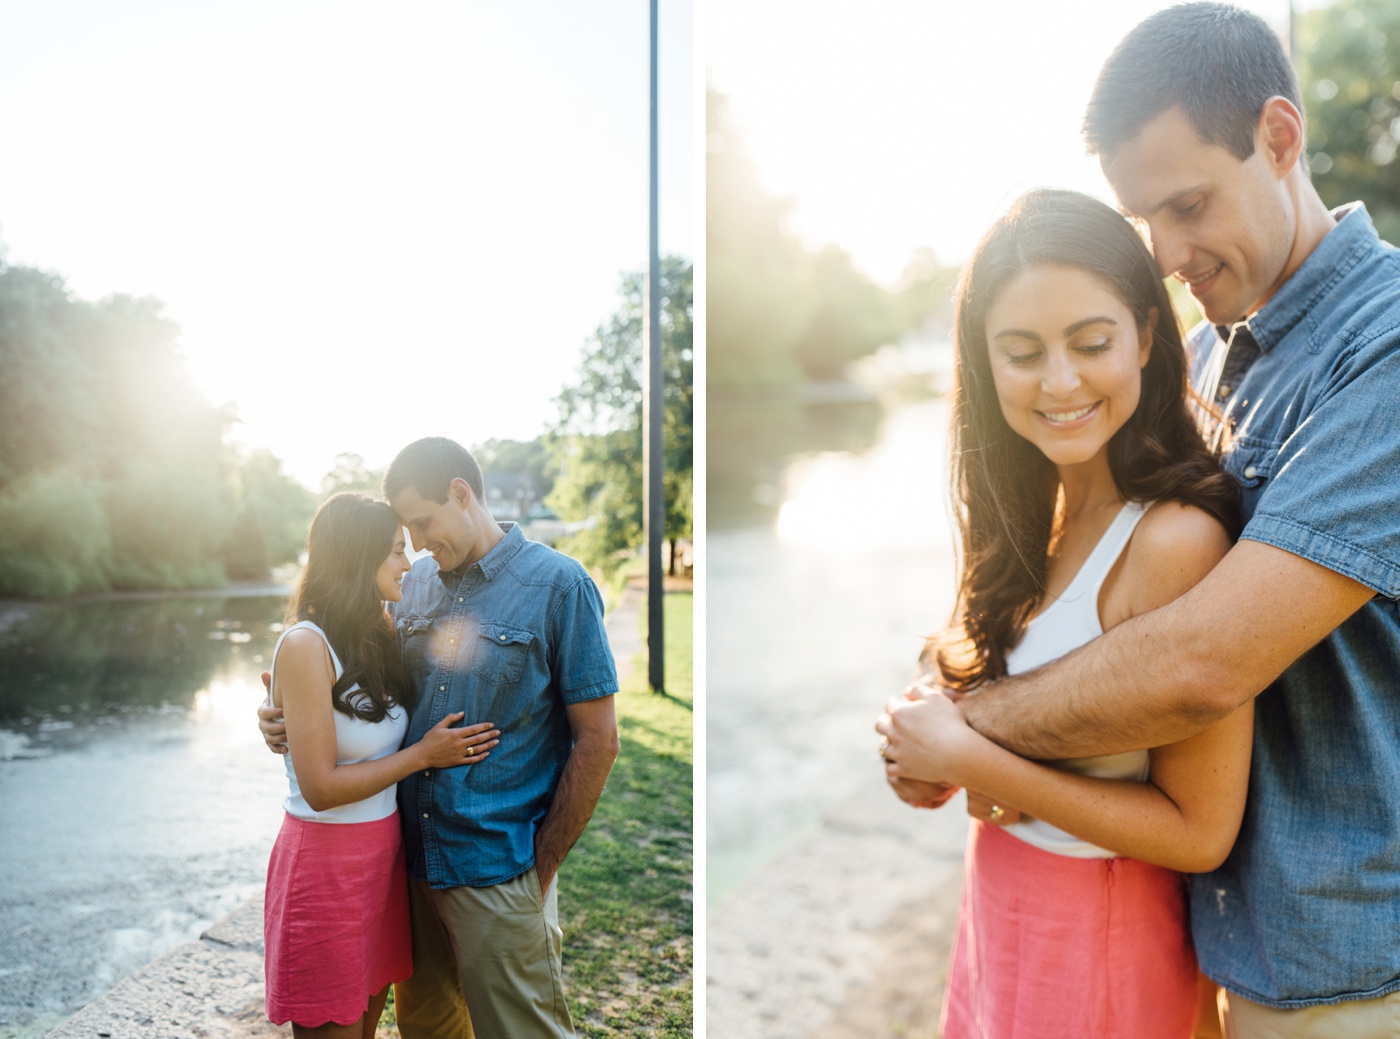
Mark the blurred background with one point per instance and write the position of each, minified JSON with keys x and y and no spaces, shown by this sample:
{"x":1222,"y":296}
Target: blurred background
{"x":854,"y":155}
{"x":248,"y":251}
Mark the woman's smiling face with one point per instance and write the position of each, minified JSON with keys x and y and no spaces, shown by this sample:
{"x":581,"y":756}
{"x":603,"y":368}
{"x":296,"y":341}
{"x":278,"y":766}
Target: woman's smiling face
{"x":1066,"y":357}
{"x":389,"y":576}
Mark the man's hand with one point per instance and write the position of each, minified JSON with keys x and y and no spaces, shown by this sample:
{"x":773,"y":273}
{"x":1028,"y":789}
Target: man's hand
{"x":594,"y":725}
{"x":274,"y":729}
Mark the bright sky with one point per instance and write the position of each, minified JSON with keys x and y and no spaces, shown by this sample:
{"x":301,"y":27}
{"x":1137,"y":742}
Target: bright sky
{"x":374,"y":222}
{"x":896,"y":124}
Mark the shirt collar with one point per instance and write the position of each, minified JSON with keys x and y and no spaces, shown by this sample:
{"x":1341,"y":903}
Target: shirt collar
{"x":1342,"y":247}
{"x":494,"y":561}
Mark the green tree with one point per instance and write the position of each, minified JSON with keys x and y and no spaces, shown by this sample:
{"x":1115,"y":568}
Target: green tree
{"x":531,"y":457}
{"x":272,"y":517}
{"x":113,"y":468}
{"x":755,"y":267}
{"x":778,"y":312}
{"x":1349,"y":63}
{"x":597,"y":440}
{"x":349,"y":473}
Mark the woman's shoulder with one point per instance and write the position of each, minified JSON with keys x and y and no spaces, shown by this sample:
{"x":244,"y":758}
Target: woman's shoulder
{"x":301,"y":645}
{"x":1174,"y":546}
{"x":301,"y":636}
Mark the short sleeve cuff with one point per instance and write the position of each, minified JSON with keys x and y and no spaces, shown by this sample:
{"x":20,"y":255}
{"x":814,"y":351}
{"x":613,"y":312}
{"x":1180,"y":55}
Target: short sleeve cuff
{"x":595,"y":691}
{"x":1343,"y":557}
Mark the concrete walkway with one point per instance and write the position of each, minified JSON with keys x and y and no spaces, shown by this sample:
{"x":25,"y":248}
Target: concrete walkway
{"x":845,"y":934}
{"x":214,"y":987}
{"x":209,"y":988}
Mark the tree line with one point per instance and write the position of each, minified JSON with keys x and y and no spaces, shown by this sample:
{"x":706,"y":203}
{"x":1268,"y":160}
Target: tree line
{"x":117,"y":474}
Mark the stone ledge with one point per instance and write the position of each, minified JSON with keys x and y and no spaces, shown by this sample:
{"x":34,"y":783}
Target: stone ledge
{"x":209,"y":989}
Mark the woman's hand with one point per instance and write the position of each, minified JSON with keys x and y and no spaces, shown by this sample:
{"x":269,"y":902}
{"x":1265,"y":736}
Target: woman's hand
{"x":443,"y":746}
{"x":925,"y":738}
{"x":980,"y":806}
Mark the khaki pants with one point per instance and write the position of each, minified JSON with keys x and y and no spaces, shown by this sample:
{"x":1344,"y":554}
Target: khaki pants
{"x":486,"y":964}
{"x":1357,"y":1019}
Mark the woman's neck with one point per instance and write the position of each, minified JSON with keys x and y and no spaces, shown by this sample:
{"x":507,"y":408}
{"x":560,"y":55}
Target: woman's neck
{"x":1086,"y":488}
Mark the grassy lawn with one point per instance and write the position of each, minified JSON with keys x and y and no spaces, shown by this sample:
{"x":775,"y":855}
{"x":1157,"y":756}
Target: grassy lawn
{"x":626,"y":888}
{"x":625,"y":891}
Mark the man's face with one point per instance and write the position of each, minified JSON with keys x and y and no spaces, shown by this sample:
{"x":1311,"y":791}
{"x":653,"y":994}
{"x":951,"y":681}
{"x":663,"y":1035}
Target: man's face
{"x":1221,"y":226}
{"x":442,"y":528}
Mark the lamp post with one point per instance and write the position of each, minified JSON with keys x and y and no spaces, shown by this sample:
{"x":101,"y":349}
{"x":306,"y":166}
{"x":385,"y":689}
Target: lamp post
{"x":653,"y":494}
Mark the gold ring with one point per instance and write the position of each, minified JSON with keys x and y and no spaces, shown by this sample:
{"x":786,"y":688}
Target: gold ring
{"x":884,"y":746}
{"x":997,"y":813}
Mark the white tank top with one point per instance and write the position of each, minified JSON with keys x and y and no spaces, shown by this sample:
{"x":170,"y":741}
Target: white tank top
{"x":1068,"y":623}
{"x":355,"y":740}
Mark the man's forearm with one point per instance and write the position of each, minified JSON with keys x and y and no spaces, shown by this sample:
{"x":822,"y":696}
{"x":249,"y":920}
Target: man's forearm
{"x":1130,"y":689}
{"x":1164,"y":676}
{"x":580,"y":787}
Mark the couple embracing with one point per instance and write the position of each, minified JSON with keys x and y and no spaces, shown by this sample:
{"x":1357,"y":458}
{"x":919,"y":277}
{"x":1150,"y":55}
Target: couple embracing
{"x":445,"y":753}
{"x":1177,"y":650}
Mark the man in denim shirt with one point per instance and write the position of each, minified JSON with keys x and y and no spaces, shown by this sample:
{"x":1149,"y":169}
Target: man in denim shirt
{"x":1197,"y":121}
{"x":511,"y":632}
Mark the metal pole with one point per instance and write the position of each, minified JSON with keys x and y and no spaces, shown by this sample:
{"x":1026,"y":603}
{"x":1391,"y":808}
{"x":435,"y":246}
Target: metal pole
{"x":653,"y":409}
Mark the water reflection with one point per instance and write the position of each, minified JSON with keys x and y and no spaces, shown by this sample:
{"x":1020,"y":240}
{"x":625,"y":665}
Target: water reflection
{"x":749,"y":446}
{"x":137,"y":801}
{"x":817,"y":609}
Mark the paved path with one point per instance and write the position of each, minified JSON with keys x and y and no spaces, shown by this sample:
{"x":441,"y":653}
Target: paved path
{"x":845,"y":933}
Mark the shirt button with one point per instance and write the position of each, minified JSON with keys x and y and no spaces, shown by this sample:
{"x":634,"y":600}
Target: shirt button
{"x":442,"y":688}
{"x":503,"y":638}
{"x":427,"y":772}
{"x":452,"y":642}
{"x":425,"y":815}
{"x":1250,"y":472}
{"x":1223,"y":392}
{"x":460,"y":599}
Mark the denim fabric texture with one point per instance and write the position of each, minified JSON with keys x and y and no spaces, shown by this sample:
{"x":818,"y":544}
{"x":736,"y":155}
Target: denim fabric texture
{"x":513,"y":639}
{"x":1306,"y":910}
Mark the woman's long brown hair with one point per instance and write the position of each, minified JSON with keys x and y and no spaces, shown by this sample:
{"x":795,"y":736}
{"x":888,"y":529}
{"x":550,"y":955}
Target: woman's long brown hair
{"x":350,"y":538}
{"x":1003,"y":486}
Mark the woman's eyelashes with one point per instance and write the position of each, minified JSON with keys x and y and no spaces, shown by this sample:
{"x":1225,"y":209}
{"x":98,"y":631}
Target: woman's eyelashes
{"x":1030,"y":357}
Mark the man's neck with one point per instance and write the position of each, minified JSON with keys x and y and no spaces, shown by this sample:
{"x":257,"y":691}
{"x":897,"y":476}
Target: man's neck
{"x":1314,"y":223}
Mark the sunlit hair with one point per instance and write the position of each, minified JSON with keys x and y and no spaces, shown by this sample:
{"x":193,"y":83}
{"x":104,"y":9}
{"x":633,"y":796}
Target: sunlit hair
{"x":351,"y":536}
{"x":1217,"y":63}
{"x":429,"y":466}
{"x":1004,"y":488}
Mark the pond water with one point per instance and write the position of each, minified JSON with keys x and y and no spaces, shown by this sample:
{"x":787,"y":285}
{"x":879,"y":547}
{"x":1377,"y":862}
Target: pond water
{"x":137,"y":802}
{"x":829,"y":559}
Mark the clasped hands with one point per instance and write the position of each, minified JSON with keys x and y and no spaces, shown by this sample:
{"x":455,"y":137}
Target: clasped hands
{"x":925,"y":734}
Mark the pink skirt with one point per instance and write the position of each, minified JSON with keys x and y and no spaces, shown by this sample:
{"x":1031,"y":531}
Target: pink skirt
{"x":1050,"y":946}
{"x":335,"y":921}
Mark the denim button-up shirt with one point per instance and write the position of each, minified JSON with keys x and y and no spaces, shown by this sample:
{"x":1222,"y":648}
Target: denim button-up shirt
{"x":512,"y":639}
{"x":1306,"y":909}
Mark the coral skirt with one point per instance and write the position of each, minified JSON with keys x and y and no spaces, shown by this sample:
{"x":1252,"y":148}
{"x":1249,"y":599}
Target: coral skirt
{"x":1050,"y":946}
{"x":335,"y":920}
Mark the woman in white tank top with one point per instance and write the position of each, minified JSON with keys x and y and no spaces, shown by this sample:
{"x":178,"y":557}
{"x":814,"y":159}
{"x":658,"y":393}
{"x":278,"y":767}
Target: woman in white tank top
{"x":336,"y":919}
{"x":1087,"y":496}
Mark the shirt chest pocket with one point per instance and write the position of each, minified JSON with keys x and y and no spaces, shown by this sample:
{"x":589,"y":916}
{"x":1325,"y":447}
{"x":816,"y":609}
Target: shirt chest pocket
{"x":1252,"y":461}
{"x":501,"y":653}
{"x":414,"y":636}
